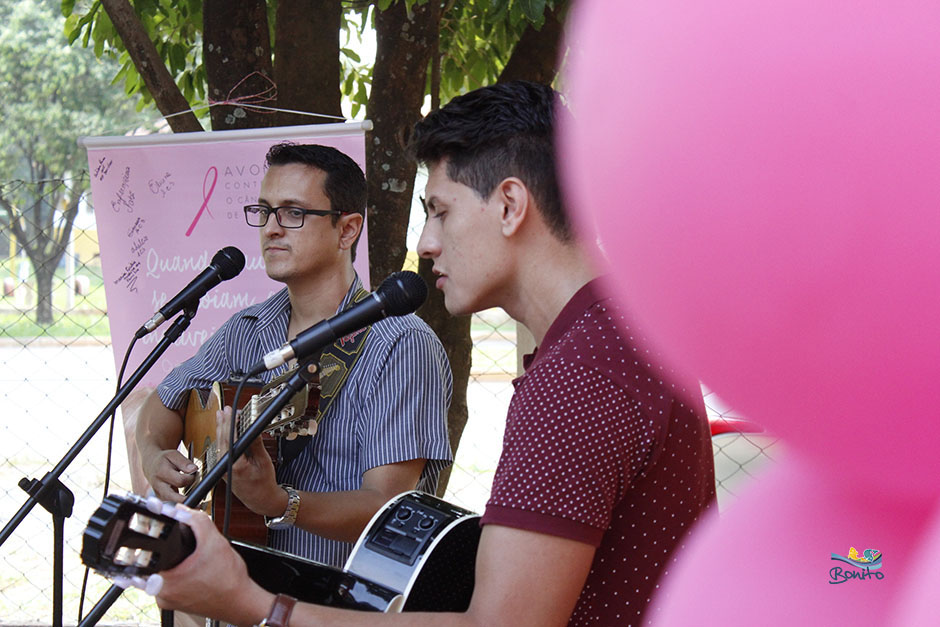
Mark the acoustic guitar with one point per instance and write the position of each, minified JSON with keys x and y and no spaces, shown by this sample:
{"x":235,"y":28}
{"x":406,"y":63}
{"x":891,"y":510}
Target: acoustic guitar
{"x":417,"y":554}
{"x":299,"y":417}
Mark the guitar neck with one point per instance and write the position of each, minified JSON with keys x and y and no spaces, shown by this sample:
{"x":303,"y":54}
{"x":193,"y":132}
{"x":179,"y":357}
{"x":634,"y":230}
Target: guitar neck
{"x":297,"y":417}
{"x":132,"y":537}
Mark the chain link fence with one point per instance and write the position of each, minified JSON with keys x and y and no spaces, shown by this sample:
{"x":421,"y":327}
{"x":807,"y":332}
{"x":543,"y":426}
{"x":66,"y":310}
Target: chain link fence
{"x":56,"y":378}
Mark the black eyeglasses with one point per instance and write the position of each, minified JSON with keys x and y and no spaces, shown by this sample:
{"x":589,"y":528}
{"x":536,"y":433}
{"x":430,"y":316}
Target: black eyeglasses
{"x":287,"y":217}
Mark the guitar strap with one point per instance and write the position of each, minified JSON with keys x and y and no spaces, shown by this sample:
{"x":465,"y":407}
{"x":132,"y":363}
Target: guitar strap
{"x":336,"y":362}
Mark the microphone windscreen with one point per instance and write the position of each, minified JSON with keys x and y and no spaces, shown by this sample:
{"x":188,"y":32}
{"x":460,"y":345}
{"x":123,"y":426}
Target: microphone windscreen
{"x":402,"y":292}
{"x":230,"y":261}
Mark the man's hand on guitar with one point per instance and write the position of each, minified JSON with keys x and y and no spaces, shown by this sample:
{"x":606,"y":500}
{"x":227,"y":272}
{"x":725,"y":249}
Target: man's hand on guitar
{"x":254,"y":480}
{"x":168,"y":472}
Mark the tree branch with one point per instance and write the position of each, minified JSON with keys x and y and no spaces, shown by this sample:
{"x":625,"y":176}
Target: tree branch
{"x":152,"y":69}
{"x":535,"y":56}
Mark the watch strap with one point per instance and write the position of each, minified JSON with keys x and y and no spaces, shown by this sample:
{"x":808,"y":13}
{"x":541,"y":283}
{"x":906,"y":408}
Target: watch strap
{"x":280,"y":611}
{"x":289,"y":516}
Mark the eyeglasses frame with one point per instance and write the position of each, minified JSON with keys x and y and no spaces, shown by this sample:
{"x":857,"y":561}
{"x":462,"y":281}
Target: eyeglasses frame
{"x":277,"y":215}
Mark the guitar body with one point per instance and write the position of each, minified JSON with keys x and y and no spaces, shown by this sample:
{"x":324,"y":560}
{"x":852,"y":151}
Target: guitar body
{"x":199,"y":424}
{"x":422,"y":547}
{"x":417,"y":554}
{"x":199,"y":438}
{"x":313,"y":582}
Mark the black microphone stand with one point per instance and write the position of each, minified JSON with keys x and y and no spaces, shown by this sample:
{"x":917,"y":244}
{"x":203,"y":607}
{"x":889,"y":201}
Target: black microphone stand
{"x":58,"y":499}
{"x":301,"y":377}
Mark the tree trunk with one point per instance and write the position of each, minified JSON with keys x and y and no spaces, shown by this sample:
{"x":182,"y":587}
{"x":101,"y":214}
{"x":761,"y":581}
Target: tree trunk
{"x":307,"y":67}
{"x":45,"y":270}
{"x":36,"y":233}
{"x":403,"y":49}
{"x":238,"y":64}
{"x":237,"y":53}
{"x":454,"y":332}
{"x":535,"y":56}
{"x":398,"y":81}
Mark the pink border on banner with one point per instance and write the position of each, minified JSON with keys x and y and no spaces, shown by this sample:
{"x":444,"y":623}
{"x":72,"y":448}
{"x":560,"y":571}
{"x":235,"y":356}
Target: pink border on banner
{"x":163,"y":210}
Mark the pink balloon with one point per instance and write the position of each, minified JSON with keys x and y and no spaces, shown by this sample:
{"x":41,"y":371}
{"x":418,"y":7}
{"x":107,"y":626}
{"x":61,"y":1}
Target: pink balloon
{"x":765,"y":178}
{"x":918,"y":604}
{"x":768,"y":560}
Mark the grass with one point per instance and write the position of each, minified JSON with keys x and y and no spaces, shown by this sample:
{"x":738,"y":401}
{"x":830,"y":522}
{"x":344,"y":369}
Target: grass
{"x":86,"y":314}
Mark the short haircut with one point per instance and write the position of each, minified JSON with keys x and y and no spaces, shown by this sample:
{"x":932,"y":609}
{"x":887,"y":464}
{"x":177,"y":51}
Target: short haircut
{"x":345,"y":184}
{"x":496,"y":132}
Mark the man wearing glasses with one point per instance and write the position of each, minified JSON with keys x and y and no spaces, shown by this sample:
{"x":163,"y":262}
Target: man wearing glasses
{"x":382,"y":432}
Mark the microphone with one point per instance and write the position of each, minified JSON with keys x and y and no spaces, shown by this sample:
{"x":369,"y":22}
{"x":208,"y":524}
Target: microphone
{"x":225,"y":264}
{"x":401,"y":293}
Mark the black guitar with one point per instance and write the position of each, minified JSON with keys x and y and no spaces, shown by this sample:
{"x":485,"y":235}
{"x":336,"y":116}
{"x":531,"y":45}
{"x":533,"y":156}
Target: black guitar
{"x":417,"y":554}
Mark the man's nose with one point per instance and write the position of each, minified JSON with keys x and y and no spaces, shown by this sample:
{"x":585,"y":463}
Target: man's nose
{"x":272,"y":226}
{"x":428,"y":246}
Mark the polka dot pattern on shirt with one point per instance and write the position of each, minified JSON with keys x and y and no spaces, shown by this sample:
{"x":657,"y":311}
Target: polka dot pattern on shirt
{"x":600,"y":447}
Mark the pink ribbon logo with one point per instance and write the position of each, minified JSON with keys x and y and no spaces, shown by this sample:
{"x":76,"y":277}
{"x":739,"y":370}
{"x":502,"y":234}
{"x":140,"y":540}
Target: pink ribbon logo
{"x":205,"y":197}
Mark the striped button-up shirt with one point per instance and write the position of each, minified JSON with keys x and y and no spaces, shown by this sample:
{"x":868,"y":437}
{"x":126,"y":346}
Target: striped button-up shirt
{"x":392,"y":407}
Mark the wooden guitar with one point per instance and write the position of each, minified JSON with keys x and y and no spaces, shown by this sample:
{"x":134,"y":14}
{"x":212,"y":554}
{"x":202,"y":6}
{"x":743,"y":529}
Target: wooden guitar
{"x":417,"y":554}
{"x":298,"y":417}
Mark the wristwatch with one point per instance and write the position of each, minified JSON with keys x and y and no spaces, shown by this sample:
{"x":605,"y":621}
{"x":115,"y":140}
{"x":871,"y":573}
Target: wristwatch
{"x":286,"y":519}
{"x":280,"y":612}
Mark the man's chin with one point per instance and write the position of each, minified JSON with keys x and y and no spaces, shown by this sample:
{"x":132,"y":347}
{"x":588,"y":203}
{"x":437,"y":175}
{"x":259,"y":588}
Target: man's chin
{"x":274,"y":275}
{"x":457,"y":308}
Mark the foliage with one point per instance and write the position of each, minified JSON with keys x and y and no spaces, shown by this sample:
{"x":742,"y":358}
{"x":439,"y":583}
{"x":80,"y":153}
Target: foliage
{"x":477,"y":37}
{"x":175,"y":27}
{"x":52,"y":95}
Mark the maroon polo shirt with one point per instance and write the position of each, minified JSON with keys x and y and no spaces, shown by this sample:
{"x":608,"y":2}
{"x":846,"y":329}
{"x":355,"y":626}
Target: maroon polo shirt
{"x":601,"y":447}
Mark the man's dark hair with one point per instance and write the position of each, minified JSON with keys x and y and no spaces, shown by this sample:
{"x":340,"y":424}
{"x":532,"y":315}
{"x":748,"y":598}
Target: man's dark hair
{"x":495,"y":132}
{"x":345,"y":184}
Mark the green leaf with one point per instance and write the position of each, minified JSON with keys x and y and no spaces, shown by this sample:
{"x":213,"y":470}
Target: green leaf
{"x":534,"y":10}
{"x":73,"y":28}
{"x":350,"y":53}
{"x":67,"y":7}
{"x":177,"y":54}
{"x":131,"y":83}
{"x":187,"y":87}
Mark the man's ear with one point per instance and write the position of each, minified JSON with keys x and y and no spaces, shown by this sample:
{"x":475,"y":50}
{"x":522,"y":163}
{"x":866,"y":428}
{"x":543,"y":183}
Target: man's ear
{"x":350,"y":226}
{"x":516,"y":201}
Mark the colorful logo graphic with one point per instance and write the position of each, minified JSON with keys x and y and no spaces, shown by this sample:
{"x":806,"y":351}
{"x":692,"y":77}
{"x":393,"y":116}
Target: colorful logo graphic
{"x":866,"y":566}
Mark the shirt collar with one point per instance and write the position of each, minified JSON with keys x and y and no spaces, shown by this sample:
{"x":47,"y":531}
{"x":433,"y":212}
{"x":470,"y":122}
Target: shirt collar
{"x":276,"y":310}
{"x":589,"y":294}
{"x":350,"y":293}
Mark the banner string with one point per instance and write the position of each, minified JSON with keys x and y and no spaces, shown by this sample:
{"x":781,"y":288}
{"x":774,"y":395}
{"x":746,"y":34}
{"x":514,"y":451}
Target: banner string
{"x":268,"y":94}
{"x":252,"y":102}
